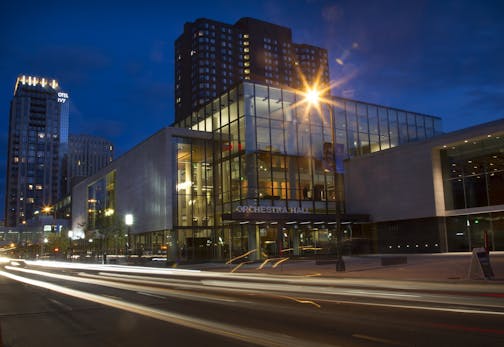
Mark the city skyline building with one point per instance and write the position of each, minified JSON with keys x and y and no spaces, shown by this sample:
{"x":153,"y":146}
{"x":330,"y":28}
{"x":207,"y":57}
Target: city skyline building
{"x":86,"y":155}
{"x":212,"y":56}
{"x":38,"y":136}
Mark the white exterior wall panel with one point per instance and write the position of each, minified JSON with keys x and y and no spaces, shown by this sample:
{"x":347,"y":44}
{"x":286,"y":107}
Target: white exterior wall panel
{"x":391,"y":185}
{"x":406,"y":182}
{"x":145,"y":183}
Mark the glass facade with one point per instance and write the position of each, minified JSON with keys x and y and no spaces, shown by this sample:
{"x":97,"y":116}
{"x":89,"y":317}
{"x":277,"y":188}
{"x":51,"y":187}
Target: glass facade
{"x":195,"y":210}
{"x":101,"y":203}
{"x":473,"y":177}
{"x":473,"y":173}
{"x":466,"y":232}
{"x":272,"y":152}
{"x":277,"y":150}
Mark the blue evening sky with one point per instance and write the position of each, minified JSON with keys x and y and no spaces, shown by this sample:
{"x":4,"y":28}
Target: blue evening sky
{"x":115,"y":58}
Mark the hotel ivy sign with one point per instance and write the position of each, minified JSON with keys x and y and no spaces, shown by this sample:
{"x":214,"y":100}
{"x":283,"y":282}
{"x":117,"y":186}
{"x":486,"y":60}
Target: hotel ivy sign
{"x":62,"y":97}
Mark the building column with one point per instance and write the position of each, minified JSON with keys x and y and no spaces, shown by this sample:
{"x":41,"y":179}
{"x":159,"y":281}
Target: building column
{"x":251,"y":176}
{"x":443,"y":235}
{"x":254,"y":242}
{"x":280,"y":238}
{"x":172,"y":243}
{"x":295,"y":241}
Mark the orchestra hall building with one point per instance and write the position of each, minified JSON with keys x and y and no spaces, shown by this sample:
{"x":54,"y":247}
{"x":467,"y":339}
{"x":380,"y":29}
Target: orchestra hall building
{"x":261,"y":169}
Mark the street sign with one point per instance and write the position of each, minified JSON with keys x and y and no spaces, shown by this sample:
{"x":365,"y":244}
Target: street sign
{"x":480,"y":265}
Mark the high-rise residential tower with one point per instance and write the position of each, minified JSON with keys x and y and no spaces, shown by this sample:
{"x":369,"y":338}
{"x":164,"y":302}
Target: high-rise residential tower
{"x":38,"y":136}
{"x":211,"y":56}
{"x":85,"y":156}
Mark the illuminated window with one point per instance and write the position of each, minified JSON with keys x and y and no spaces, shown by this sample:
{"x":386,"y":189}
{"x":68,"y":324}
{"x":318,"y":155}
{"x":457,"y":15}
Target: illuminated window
{"x":38,"y":187}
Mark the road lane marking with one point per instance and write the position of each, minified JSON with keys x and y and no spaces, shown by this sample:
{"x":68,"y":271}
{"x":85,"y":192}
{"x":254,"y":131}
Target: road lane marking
{"x":467,"y":329}
{"x":411,"y":307}
{"x":112,"y":296}
{"x":378,"y":339}
{"x":60,"y":304}
{"x":153,"y":295}
{"x":142,"y":278}
{"x":258,"y":337}
{"x":383,"y":294}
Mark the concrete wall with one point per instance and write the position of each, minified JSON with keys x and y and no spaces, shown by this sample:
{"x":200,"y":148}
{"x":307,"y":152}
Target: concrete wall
{"x":391,"y":185}
{"x":406,"y":182}
{"x":145,"y":183}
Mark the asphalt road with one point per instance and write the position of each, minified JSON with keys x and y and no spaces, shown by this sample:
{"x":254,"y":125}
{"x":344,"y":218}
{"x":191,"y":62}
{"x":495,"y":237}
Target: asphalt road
{"x":127,"y":306}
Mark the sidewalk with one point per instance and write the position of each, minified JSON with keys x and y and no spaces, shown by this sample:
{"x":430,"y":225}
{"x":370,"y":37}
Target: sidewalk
{"x":442,"y":267}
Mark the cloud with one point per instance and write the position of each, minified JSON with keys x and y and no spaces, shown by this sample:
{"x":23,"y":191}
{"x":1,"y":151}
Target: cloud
{"x":486,"y":100}
{"x":158,"y":52}
{"x":76,"y":63}
{"x":332,"y":13}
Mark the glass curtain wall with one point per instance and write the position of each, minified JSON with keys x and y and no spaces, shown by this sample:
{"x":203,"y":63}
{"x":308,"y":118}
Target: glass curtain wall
{"x":103,"y":223}
{"x":473,"y":173}
{"x":363,"y":128}
{"x":466,"y":232}
{"x":275,"y":150}
{"x":195,"y":201}
{"x":101,"y":202}
{"x":271,"y":149}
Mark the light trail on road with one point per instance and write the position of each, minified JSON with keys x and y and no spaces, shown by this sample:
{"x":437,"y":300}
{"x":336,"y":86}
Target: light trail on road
{"x":261,"y":338}
{"x":219,"y":286}
{"x":261,"y":309}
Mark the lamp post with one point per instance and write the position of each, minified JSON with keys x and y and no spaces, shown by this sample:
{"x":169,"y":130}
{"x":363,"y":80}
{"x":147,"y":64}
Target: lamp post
{"x":46,"y":210}
{"x":128,"y":220}
{"x":69,"y":249}
{"x":312,"y":96}
{"x":340,"y":263}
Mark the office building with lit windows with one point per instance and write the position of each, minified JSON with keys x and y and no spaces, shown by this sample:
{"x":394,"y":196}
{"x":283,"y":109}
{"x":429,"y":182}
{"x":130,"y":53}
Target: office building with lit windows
{"x":86,"y":155}
{"x":257,"y":169}
{"x":211,"y":56}
{"x":38,"y":135}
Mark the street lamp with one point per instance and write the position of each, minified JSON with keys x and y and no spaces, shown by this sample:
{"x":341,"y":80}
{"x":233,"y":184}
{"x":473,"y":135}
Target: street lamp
{"x":313,"y":98}
{"x":128,"y":220}
{"x":46,"y":210}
